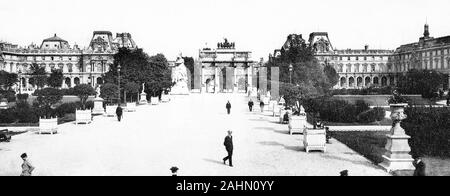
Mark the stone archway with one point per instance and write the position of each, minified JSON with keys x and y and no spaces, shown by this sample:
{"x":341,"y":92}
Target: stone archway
{"x":210,"y":85}
{"x":343,"y":82}
{"x":68,"y":82}
{"x":351,"y":82}
{"x":367,"y":81}
{"x":359,"y":82}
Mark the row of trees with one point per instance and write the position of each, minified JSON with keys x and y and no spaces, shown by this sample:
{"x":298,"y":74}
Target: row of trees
{"x":137,"y":68}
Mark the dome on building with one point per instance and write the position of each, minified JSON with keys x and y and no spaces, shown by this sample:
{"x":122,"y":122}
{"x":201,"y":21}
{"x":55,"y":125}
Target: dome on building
{"x":54,"y":42}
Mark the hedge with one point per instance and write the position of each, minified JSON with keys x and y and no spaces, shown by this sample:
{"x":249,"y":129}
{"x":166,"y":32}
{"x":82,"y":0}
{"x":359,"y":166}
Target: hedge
{"x":372,"y":115}
{"x":9,"y":95}
{"x":365,"y":91}
{"x":338,"y":111}
{"x":429,"y":129}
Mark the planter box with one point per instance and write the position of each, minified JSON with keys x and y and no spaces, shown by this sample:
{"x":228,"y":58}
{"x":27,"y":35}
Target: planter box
{"x":98,"y":106}
{"x":3,"y":105}
{"x":314,"y":139}
{"x":165,"y":98}
{"x":83,"y":116}
{"x":282,"y":112}
{"x":48,"y":125}
{"x":297,"y":124}
{"x":111,"y":110}
{"x":154,"y":100}
{"x":131,"y":107}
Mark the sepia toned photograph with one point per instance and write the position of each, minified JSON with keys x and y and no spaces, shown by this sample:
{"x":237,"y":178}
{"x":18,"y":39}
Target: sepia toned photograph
{"x":233,"y":88}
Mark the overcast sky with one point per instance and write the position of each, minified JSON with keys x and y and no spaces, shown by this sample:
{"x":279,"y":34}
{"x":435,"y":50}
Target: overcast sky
{"x":174,"y":26}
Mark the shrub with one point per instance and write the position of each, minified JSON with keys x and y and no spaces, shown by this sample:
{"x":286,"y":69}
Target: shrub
{"x":22,"y":97}
{"x":9,"y":95}
{"x":372,"y":115}
{"x":68,"y":91}
{"x":24,"y":113}
{"x":335,"y":110}
{"x":429,"y":131}
{"x":7,"y":116}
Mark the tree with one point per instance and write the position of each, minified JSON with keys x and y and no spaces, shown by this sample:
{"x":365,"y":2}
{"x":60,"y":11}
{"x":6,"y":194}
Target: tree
{"x":83,"y":91}
{"x":55,"y":79}
{"x":39,"y":75}
{"x":46,"y":98}
{"x":7,"y":80}
{"x":131,"y":89}
{"x":423,"y":82}
{"x":309,"y":78}
{"x":189,"y":62}
{"x":138,"y":67}
{"x":109,"y":91}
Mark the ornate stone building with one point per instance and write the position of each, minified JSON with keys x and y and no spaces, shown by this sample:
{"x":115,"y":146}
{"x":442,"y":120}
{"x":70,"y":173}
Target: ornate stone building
{"x":79,"y":66}
{"x":359,"y":68}
{"x":428,"y":53}
{"x":225,"y":69}
{"x":362,"y":68}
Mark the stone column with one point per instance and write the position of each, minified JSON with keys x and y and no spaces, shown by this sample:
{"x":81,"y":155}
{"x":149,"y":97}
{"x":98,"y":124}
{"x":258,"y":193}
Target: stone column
{"x":235,"y":86}
{"x":202,"y":82}
{"x":216,"y":80}
{"x":249,"y":78}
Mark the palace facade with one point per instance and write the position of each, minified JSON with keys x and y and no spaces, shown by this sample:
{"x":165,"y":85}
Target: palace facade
{"x":79,"y":66}
{"x":363,"y":68}
{"x":225,"y":69}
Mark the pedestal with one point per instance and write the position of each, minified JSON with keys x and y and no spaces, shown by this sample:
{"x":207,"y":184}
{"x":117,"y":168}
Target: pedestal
{"x":98,"y":106}
{"x":143,"y":99}
{"x":397,"y":156}
{"x":3,"y":105}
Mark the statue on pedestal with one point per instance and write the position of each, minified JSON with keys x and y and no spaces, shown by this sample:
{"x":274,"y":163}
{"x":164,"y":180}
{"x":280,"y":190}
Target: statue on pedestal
{"x":180,"y":78}
{"x":143,"y":99}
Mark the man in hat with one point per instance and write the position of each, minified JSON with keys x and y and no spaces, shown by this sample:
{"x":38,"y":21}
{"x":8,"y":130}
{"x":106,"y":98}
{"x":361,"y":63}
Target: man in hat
{"x":250,"y":105}
{"x":229,"y":147}
{"x":174,"y":171}
{"x":344,"y":173}
{"x":27,"y":168}
{"x":261,"y":105}
{"x":228,"y":106}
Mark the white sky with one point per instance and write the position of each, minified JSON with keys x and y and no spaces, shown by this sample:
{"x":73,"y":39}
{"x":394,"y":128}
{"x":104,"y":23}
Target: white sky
{"x":174,"y":26}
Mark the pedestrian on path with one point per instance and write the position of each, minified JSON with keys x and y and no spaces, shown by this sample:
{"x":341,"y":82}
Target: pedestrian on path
{"x":228,"y":106}
{"x":27,"y":168}
{"x":261,"y":105}
{"x":250,"y":105}
{"x":119,"y":113}
{"x":174,"y":171}
{"x":420,"y":167}
{"x":344,"y":173}
{"x":229,"y":147}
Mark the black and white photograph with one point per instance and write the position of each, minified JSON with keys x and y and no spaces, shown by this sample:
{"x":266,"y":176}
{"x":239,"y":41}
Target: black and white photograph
{"x":227,"y":88}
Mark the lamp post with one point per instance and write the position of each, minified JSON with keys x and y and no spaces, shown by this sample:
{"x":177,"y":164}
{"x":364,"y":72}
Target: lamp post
{"x":291,"y":68}
{"x":118,"y":72}
{"x":20,"y":81}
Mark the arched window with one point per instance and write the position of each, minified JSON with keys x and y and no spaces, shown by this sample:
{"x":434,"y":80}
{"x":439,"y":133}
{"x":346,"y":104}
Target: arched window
{"x":68,"y":82}
{"x":70,"y":67}
{"x":357,"y":67}
{"x":61,"y":66}
{"x":351,"y":82}
{"x":76,"y":81}
{"x":372,"y":68}
{"x":391,"y":80}
{"x":367,"y":81}
{"x":383,"y":81}
{"x":375,"y":81}
{"x":359,"y":82}
{"x":99,"y":80}
{"x":343,"y":82}
{"x":349,"y":68}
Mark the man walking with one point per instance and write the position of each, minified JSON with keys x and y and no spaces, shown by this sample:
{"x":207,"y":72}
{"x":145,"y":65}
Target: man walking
{"x":261,"y":104}
{"x":250,"y":105}
{"x":229,"y":147}
{"x":228,"y":106}
{"x":119,"y":112}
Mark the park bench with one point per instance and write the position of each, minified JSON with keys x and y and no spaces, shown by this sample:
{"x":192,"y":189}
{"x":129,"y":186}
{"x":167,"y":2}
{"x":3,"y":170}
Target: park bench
{"x":5,"y":136}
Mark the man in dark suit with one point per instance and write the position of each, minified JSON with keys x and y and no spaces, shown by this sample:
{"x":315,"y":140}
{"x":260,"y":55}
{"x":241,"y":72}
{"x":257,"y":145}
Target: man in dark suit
{"x":250,"y":105}
{"x":119,"y":113}
{"x":228,"y":106}
{"x":420,"y":167}
{"x":229,"y":147}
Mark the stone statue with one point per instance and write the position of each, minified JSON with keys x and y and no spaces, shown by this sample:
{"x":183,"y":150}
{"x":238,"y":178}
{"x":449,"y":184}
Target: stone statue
{"x":179,"y":78}
{"x":143,"y":88}
{"x":97,"y":94}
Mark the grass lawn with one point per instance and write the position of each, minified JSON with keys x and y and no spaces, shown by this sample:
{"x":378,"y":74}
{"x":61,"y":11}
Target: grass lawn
{"x":371,"y":145}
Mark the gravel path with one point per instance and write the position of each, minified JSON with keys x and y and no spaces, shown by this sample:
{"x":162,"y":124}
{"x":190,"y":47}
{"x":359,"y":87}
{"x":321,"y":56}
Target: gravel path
{"x":187,"y":132}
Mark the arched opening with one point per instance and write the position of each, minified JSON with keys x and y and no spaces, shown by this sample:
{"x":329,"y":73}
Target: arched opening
{"x":391,"y":81}
{"x":209,"y":85}
{"x":367,"y":81}
{"x":99,"y":81}
{"x":68,"y":82}
{"x":375,"y":81}
{"x":351,"y":82}
{"x":343,"y":82}
{"x":76,"y":81}
{"x":383,"y":81}
{"x":31,"y":82}
{"x":70,"y":67}
{"x":359,"y":82}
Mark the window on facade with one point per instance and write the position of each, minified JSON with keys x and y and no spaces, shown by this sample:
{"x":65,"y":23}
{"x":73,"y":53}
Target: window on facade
{"x":348,"y":58}
{"x":357,"y":58}
{"x":52,"y":58}
{"x":365,"y":58}
{"x":340,"y":58}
